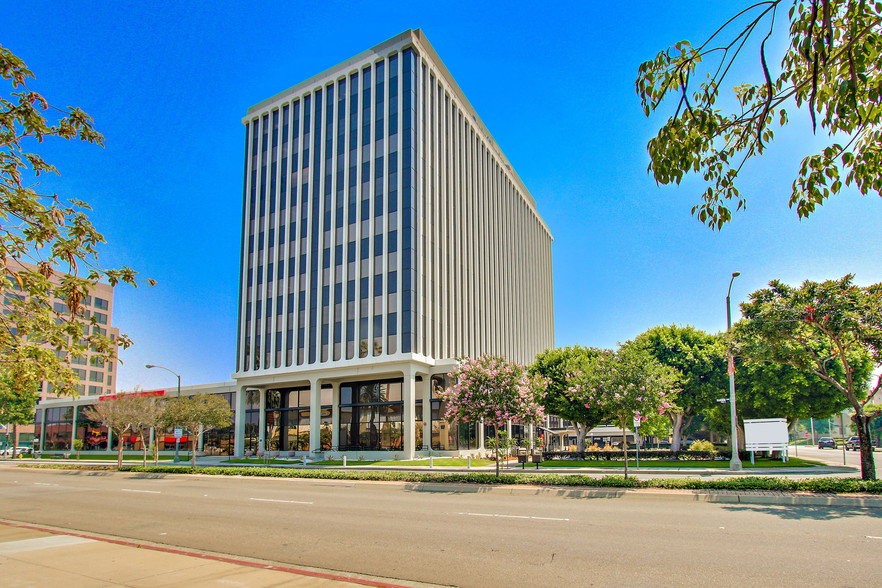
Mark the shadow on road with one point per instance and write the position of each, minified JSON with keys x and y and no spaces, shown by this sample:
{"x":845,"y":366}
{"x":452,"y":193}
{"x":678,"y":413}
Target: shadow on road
{"x":818,"y":513}
{"x":89,"y":473}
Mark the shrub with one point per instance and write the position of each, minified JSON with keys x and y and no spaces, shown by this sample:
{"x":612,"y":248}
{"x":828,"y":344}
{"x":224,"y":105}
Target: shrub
{"x":701,"y":445}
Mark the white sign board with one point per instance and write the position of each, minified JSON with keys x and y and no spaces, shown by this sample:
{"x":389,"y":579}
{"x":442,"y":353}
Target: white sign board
{"x":179,"y":433}
{"x":766,"y":435}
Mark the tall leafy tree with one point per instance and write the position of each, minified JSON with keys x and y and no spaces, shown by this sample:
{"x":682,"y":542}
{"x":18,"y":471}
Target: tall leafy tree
{"x":197,"y":414}
{"x":558,"y":367}
{"x":773,"y":390}
{"x":826,"y":328}
{"x":700,"y":360}
{"x":54,"y":235}
{"x":626,"y":384}
{"x":831,"y":68}
{"x":18,"y":400}
{"x":494,"y":391}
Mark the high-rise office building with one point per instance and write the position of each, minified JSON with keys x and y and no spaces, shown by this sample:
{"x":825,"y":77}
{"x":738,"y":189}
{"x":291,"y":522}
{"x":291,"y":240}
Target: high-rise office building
{"x":384,"y":235}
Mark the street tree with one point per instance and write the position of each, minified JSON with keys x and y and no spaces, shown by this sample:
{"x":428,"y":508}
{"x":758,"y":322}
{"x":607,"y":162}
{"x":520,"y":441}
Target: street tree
{"x":52,"y":235}
{"x":700,"y":360}
{"x":831,"y":68}
{"x":626,"y":384}
{"x":148,"y":414}
{"x":197,"y":414}
{"x":773,"y":390}
{"x":494,"y":391}
{"x":18,"y":399}
{"x":826,"y":328}
{"x":557,"y":367}
{"x":119,"y":414}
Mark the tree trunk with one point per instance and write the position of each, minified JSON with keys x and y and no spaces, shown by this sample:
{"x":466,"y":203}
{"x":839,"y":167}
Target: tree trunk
{"x":676,"y":419}
{"x":143,"y":446}
{"x":496,"y":435}
{"x":868,"y":463}
{"x":14,"y":438}
{"x":193,"y":450}
{"x":120,"y":442}
{"x":625,"y":446}
{"x":581,"y":431}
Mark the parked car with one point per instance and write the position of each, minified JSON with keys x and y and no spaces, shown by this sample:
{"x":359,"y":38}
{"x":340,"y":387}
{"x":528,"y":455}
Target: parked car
{"x":826,"y":442}
{"x":853,"y":443}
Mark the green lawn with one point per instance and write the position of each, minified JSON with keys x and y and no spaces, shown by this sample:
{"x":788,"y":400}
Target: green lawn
{"x":761,"y":462}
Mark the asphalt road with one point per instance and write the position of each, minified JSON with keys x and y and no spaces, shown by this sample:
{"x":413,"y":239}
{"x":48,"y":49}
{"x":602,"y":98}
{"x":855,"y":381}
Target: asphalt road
{"x":835,"y":457}
{"x":464,"y":536}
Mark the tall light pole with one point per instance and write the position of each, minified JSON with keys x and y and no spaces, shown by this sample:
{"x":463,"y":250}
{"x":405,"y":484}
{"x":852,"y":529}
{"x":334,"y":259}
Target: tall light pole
{"x":735,"y":462}
{"x":177,"y":440}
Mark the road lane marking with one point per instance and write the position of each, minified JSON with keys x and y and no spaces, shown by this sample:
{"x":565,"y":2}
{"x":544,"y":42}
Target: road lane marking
{"x":272,"y":500}
{"x":481,"y":514}
{"x":44,"y":484}
{"x":144,"y":491}
{"x":871,"y":537}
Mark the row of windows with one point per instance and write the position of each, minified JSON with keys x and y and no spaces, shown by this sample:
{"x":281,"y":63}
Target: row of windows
{"x":340,"y":220}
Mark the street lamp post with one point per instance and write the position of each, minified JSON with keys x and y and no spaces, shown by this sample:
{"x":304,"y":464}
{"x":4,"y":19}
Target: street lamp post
{"x":177,"y":439}
{"x":735,"y":462}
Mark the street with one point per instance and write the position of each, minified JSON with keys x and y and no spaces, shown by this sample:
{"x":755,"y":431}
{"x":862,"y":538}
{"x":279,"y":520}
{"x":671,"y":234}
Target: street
{"x":835,"y":457}
{"x":460,"y":535}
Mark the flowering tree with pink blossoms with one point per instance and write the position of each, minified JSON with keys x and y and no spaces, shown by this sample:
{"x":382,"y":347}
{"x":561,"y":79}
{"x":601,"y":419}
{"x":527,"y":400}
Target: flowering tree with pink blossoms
{"x":626,"y":384}
{"x":493,"y":390}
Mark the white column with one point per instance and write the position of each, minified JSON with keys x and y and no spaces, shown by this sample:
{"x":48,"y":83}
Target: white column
{"x":261,"y":426}
{"x":335,"y":416}
{"x":426,"y":395}
{"x":315,"y":413}
{"x":239,"y":423}
{"x":481,"y":436}
{"x":408,"y":394}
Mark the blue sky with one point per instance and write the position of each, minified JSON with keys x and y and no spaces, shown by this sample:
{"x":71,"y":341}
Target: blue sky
{"x":168,"y":84}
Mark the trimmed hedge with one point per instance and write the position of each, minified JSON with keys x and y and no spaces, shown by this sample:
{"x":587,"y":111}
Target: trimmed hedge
{"x":647,"y":454}
{"x":814,"y":485}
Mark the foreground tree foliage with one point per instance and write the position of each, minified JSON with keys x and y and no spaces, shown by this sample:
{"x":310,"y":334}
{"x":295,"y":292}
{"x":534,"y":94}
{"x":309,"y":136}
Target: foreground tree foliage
{"x":494,"y":391}
{"x":826,"y":328}
{"x":557,"y":366}
{"x":832,"y":67}
{"x":53,"y":235}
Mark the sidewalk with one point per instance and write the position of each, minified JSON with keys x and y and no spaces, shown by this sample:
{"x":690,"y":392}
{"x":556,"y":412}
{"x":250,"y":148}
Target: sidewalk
{"x":33,"y":556}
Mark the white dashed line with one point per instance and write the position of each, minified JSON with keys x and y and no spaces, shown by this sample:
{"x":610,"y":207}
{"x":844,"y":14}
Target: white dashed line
{"x":871,"y":537}
{"x":481,"y":514}
{"x":143,"y":491}
{"x":287,"y":501}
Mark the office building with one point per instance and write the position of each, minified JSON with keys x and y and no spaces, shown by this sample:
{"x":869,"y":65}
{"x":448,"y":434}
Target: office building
{"x":384,"y":235}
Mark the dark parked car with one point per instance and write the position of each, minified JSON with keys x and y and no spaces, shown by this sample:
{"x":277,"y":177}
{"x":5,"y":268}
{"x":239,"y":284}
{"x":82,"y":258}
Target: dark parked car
{"x":853,"y":443}
{"x":826,"y":442}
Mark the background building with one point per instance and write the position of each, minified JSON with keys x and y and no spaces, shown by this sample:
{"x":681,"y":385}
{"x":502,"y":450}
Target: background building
{"x":96,"y":376}
{"x":384,"y":235}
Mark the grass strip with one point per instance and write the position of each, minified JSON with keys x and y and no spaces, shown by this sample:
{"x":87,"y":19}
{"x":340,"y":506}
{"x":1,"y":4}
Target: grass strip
{"x":814,"y":485}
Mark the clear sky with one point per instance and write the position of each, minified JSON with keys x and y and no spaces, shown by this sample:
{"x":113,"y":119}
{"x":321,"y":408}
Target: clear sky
{"x":169,"y":82}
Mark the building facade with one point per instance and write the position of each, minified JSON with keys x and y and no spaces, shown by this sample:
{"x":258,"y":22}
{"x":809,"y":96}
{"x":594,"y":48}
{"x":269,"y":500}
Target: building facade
{"x":96,"y":376}
{"x":384,"y":235}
